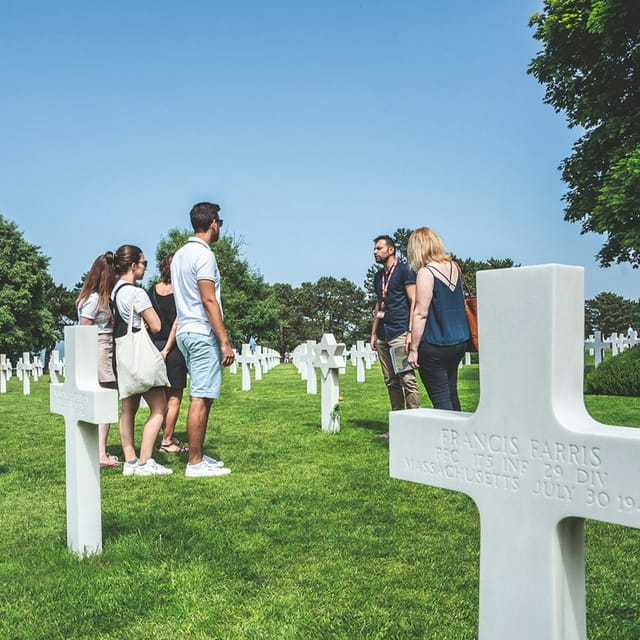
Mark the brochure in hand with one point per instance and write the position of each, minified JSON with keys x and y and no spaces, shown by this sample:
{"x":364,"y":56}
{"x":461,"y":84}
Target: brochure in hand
{"x":399,"y":359}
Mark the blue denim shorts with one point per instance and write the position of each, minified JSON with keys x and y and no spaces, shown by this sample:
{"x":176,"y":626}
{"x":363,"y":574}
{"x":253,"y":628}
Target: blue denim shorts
{"x":204,"y":362}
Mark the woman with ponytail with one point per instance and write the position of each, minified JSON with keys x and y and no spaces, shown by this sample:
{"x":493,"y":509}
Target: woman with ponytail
{"x":93,"y":309}
{"x":129,"y":300}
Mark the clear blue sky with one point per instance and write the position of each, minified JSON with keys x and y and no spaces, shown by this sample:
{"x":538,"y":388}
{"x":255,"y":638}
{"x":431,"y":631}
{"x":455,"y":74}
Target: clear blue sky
{"x":316,"y":125}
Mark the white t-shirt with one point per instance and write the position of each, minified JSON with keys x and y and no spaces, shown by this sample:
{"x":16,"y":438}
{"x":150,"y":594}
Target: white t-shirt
{"x":192,"y":262}
{"x":135,"y":297}
{"x":92,"y":310}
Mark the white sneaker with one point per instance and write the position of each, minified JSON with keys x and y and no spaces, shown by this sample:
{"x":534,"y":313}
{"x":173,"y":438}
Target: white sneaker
{"x":205,"y":470}
{"x":212,"y":462}
{"x":152,"y":468}
{"x":129,"y":468}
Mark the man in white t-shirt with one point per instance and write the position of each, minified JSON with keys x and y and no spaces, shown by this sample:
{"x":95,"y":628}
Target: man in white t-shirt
{"x":201,"y":336}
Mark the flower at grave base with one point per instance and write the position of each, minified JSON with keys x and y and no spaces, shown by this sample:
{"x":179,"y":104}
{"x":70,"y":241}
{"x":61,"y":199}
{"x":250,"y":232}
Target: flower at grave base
{"x":340,"y":398}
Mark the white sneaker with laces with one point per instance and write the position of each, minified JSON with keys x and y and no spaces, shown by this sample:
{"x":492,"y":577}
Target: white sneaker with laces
{"x":152,"y":468}
{"x":213,"y":462}
{"x":205,"y":470}
{"x":129,"y":468}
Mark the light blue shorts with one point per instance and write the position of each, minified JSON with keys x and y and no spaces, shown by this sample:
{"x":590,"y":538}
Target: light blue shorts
{"x":204,"y":361}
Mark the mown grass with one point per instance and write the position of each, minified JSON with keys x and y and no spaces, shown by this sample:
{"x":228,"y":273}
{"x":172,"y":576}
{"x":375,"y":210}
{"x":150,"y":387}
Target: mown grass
{"x":307,"y":539}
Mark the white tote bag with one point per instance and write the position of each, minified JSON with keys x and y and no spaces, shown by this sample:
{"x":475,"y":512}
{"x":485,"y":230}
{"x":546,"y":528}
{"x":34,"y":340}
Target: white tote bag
{"x":140,"y":366}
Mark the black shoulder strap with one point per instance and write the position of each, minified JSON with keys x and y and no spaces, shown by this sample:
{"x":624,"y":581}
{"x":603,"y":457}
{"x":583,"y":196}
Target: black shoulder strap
{"x":444,"y":275}
{"x":118,"y":320}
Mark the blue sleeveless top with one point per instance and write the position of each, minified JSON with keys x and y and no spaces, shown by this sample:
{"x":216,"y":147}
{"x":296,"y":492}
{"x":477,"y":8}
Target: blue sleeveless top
{"x":447,"y":320}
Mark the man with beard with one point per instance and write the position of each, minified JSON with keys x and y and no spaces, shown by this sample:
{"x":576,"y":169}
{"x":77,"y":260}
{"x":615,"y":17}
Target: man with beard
{"x":395,"y":286}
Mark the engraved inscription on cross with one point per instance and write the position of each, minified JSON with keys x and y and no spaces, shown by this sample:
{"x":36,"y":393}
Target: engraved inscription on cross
{"x":84,"y":404}
{"x":532,"y":459}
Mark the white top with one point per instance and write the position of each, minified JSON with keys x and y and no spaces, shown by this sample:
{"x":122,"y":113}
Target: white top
{"x":92,"y":310}
{"x":128,"y":297}
{"x":192,"y":262}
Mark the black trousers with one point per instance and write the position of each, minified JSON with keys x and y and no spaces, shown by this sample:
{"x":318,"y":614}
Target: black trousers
{"x":439,"y":373}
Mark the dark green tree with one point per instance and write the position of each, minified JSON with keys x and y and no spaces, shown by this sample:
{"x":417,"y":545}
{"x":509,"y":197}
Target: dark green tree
{"x":62,"y":304}
{"x":590,"y":64}
{"x":609,"y":313}
{"x":470,"y":267}
{"x":27,"y":322}
{"x":334,"y":306}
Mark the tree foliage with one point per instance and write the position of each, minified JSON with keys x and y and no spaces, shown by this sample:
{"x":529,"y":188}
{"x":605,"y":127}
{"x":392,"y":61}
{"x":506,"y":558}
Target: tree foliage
{"x":26,"y":320}
{"x":619,"y":376}
{"x":590,"y":64}
{"x":610,"y":313}
{"x":470,"y":267}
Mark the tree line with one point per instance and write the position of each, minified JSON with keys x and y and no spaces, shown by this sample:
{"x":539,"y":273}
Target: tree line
{"x":34,"y":310}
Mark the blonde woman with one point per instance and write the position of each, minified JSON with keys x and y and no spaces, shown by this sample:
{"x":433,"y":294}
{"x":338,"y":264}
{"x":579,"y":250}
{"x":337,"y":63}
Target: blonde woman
{"x":439,"y":327}
{"x":127,"y":299}
{"x":93,"y":309}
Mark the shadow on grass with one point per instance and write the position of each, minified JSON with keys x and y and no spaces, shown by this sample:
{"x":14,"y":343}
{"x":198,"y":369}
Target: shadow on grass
{"x":371,"y":425}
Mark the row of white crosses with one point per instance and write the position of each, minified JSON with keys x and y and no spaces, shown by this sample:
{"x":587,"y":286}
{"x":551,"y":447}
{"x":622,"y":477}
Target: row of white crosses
{"x":532,"y":459}
{"x":26,"y":370}
{"x":303,"y":356}
{"x":616,"y":343}
{"x":262,"y":361}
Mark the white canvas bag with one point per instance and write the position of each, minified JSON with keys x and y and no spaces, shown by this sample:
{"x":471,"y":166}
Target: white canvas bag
{"x":140,"y":366}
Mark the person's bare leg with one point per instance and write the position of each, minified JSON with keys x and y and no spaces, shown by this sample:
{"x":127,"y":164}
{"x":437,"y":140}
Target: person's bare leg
{"x":197,"y":419}
{"x":157,"y":401}
{"x":174,"y":398}
{"x":125,"y":425}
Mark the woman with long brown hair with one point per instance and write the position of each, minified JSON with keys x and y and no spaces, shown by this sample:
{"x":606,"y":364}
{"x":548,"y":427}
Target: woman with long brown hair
{"x":129,"y":300}
{"x":93,"y":309}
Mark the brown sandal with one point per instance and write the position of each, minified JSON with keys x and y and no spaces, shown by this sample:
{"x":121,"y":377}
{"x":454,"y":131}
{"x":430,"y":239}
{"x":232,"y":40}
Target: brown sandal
{"x":172,"y":447}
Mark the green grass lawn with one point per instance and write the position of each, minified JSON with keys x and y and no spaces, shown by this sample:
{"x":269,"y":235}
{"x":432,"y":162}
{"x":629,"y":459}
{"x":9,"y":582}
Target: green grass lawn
{"x":308,"y":538}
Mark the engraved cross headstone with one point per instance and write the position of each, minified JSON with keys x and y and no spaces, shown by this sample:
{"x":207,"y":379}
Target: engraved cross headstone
{"x":84,"y":404}
{"x":533,"y":460}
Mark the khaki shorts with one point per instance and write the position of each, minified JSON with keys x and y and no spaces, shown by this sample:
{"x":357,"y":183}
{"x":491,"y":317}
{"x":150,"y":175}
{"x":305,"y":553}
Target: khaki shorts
{"x":105,"y":358}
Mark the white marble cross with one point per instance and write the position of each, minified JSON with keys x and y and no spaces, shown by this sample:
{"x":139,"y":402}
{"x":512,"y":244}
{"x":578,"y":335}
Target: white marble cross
{"x":245,"y":359}
{"x":24,"y":369}
{"x":599,"y":345}
{"x":84,"y":404}
{"x":5,"y":368}
{"x":358,"y":357}
{"x":532,"y":459}
{"x":233,"y":367}
{"x":329,"y":358}
{"x":309,"y":373}
{"x":256,"y":360}
{"x":55,"y":366}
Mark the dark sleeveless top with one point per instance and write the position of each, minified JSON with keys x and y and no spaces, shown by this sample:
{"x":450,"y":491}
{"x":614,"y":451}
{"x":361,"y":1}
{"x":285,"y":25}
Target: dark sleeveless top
{"x":165,"y":307}
{"x":447,"y":321}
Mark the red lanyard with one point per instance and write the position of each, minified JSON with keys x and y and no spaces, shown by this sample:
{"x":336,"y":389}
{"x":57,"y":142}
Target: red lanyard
{"x":385,"y":283}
